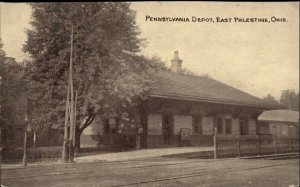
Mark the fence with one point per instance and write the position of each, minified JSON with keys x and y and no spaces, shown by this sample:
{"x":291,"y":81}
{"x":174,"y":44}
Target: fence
{"x":248,"y":145}
{"x":38,"y":154}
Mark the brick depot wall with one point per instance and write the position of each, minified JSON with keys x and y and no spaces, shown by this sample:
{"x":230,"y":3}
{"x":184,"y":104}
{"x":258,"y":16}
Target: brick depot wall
{"x":208,"y":126}
{"x":202,"y":140}
{"x":263,"y":128}
{"x":155,"y":137}
{"x":280,"y":129}
{"x":155,"y":141}
{"x":181,"y":121}
{"x":252,"y":126}
{"x":158,"y":141}
{"x":154,"y":122}
{"x":235,"y":128}
{"x":294,"y":130}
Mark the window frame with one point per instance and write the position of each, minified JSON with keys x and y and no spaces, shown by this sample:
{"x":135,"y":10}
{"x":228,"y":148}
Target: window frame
{"x":197,"y":124}
{"x":228,"y":125}
{"x":218,"y":124}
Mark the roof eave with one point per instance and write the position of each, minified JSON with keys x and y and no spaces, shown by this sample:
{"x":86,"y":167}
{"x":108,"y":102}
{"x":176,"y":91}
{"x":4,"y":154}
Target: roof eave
{"x":278,"y":121}
{"x":211,"y":100}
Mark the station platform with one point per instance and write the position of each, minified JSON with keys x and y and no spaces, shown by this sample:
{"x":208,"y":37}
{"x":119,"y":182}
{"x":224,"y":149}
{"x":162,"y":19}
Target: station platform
{"x":141,"y":154}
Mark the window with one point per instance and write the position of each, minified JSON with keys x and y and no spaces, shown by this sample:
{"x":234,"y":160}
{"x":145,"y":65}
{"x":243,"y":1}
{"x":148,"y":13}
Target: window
{"x":219,"y":124}
{"x":228,"y":126}
{"x":244,"y":127}
{"x":274,"y":129}
{"x":197,"y":124}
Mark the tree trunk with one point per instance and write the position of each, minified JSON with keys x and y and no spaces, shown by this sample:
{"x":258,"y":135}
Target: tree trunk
{"x":79,"y":130}
{"x":77,"y":140}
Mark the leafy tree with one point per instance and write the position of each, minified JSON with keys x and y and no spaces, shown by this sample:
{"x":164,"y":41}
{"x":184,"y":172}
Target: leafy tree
{"x":271,"y":99}
{"x":2,"y":52}
{"x":11,"y":86}
{"x":290,"y":99}
{"x":109,"y":74}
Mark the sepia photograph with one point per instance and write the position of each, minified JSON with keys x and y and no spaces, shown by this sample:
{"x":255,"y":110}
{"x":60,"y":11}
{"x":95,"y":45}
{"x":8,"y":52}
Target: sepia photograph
{"x":150,"y":94}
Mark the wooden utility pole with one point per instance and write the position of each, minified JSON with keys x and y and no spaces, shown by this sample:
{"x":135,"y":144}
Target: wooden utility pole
{"x":74,"y":125}
{"x":66,"y":134}
{"x":72,"y":101}
{"x":69,"y":128}
{"x":25,"y":146}
{"x":215,"y":144}
{"x":25,"y":141}
{"x":0,"y":118}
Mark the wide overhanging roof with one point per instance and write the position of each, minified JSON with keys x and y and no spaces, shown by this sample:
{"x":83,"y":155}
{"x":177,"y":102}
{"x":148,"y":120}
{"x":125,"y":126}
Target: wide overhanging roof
{"x":188,"y":87}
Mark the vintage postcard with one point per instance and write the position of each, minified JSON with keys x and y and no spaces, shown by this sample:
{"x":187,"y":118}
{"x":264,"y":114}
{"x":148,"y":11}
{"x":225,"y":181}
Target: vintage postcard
{"x":149,"y":94}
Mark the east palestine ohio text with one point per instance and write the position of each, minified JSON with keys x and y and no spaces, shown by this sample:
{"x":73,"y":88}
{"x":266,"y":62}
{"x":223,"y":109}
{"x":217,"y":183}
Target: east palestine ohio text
{"x":237,"y":19}
{"x":214,"y":20}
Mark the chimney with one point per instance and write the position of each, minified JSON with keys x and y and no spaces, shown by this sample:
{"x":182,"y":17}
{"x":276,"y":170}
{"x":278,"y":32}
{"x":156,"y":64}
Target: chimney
{"x":176,"y":63}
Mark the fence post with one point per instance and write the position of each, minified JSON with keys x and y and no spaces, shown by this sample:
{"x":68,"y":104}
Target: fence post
{"x":238,"y":146}
{"x":25,"y":146}
{"x":257,"y":145}
{"x":275,"y":144}
{"x":215,"y":144}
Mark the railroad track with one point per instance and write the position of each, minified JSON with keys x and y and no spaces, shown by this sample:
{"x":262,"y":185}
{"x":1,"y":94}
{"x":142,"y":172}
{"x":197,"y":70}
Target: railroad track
{"x":133,"y":164}
{"x":186,"y":175}
{"x":197,"y":172}
{"x":102,"y":164}
{"x":275,"y":156}
{"x":190,"y":175}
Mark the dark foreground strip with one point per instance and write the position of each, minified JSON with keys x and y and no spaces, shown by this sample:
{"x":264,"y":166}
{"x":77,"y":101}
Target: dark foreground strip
{"x":283,"y":155}
{"x":197,"y":174}
{"x":227,"y":170}
{"x":93,"y":171}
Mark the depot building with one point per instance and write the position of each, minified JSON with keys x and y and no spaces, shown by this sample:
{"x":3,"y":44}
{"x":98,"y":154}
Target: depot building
{"x":185,"y":110}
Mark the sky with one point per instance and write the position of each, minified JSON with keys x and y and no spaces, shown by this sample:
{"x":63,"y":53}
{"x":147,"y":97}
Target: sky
{"x":258,"y":58}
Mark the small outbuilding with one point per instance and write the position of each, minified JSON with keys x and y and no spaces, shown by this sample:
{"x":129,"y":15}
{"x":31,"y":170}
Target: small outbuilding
{"x":279,"y":122}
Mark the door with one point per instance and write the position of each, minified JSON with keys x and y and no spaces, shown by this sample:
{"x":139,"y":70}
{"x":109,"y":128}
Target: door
{"x":167,"y":129}
{"x":244,"y":127}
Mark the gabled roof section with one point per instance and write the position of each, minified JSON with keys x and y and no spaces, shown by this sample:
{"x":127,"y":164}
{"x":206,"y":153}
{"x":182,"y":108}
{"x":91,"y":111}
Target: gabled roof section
{"x":280,"y":116}
{"x":188,"y":87}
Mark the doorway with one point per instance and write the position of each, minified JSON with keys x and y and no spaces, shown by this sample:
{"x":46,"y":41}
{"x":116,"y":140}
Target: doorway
{"x":167,"y":128}
{"x":244,"y":126}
